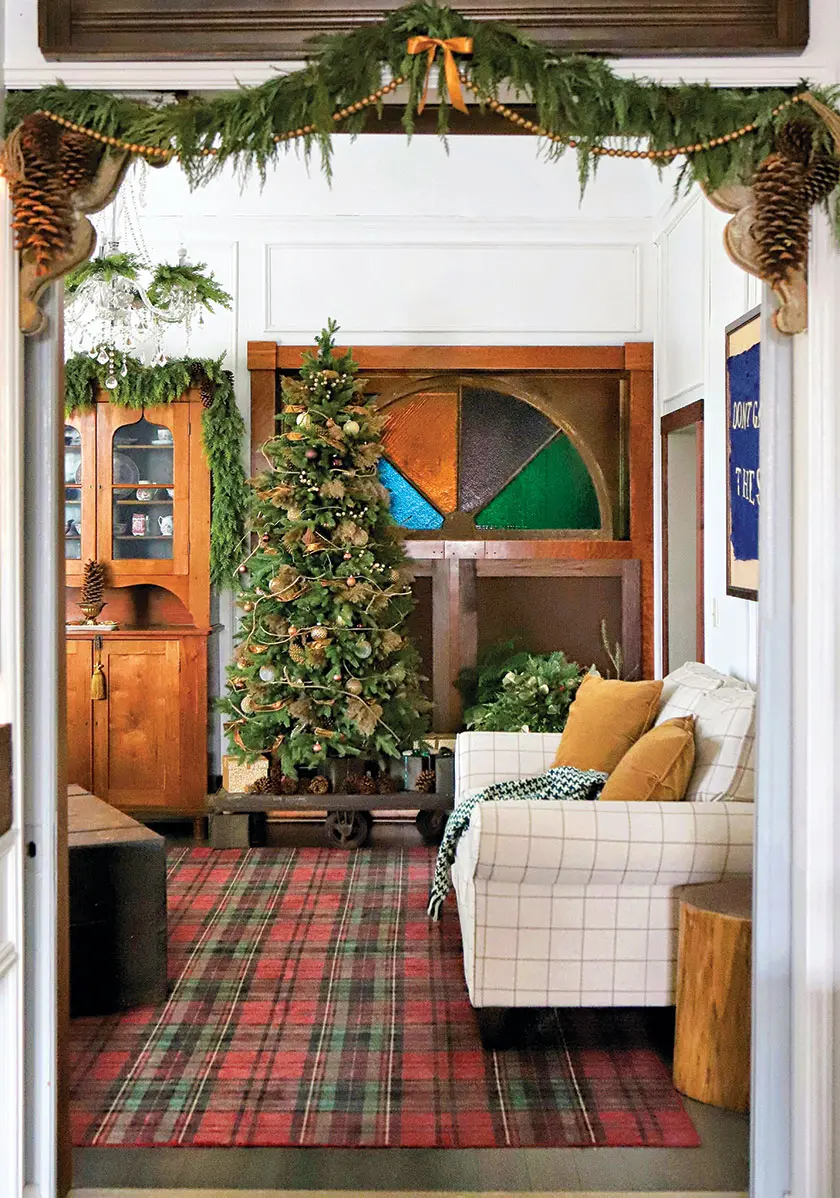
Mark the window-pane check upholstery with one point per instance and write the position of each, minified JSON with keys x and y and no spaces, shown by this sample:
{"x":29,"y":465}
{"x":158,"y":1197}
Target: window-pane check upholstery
{"x":575,"y":904}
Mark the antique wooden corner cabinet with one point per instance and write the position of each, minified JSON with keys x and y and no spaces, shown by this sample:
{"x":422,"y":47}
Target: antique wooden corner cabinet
{"x":137,"y":498}
{"x":523,"y":477}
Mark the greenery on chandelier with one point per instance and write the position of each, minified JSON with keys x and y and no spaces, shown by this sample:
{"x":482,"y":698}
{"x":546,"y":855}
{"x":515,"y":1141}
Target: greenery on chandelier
{"x":104,"y":269}
{"x":513,"y":690}
{"x":323,"y":666}
{"x":222,"y":427}
{"x":576,"y":97}
{"x":168,"y":281}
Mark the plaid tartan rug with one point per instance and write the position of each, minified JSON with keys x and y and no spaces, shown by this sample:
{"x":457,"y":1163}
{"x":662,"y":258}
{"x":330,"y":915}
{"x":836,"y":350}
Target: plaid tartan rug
{"x":313,"y":1003}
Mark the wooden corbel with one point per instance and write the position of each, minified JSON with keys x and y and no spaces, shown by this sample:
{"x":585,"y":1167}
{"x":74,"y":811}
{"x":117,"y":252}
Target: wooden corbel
{"x":101,"y":190}
{"x":792,"y":314}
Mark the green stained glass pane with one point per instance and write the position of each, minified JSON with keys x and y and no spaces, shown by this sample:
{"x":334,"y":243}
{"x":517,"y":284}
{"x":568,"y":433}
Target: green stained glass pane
{"x":553,"y":491}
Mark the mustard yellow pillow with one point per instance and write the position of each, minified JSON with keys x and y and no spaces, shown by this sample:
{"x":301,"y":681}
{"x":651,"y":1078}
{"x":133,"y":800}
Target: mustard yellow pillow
{"x":605,"y":719}
{"x":657,"y":767}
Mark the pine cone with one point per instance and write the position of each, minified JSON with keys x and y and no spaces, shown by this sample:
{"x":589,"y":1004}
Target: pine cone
{"x":796,"y":141}
{"x":78,"y":159}
{"x":262,"y":786}
{"x":318,"y":785}
{"x":208,"y":393}
{"x":281,"y":783}
{"x":297,"y":653}
{"x":93,"y":582}
{"x":782,"y":223}
{"x":42,"y":212}
{"x":360,"y":784}
{"x":386,"y":785}
{"x":822,"y":178}
{"x":425,"y":782}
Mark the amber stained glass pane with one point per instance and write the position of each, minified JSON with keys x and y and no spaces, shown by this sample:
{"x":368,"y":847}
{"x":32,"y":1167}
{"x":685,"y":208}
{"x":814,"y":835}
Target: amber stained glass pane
{"x":421,"y":439}
{"x":499,"y":434}
{"x":409,"y":508}
{"x":553,"y":491}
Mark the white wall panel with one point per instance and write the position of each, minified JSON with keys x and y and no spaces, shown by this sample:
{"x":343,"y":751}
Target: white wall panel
{"x":455,"y":290}
{"x":683,"y":325}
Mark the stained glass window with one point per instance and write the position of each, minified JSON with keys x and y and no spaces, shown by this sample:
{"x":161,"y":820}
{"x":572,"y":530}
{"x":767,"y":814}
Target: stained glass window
{"x":409,"y":508}
{"x":553,"y":491}
{"x":484,"y":456}
{"x":499,"y":434}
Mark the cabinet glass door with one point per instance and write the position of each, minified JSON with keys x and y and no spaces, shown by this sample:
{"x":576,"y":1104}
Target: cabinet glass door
{"x":143,"y":486}
{"x":73,"y":483}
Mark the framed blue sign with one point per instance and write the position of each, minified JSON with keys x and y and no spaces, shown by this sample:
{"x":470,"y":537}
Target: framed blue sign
{"x":743,"y":476}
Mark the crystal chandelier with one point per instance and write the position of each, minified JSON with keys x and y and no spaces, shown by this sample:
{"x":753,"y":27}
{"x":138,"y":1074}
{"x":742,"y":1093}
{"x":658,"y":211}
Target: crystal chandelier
{"x":112,"y":316}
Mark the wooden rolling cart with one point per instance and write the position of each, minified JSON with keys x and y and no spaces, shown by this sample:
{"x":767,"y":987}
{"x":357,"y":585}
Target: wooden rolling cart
{"x":237,"y":820}
{"x":137,"y":498}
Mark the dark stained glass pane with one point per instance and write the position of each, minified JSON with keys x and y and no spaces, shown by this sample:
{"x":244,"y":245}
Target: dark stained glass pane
{"x":553,"y":491}
{"x":499,"y":434}
{"x":409,"y":508}
{"x":421,"y":439}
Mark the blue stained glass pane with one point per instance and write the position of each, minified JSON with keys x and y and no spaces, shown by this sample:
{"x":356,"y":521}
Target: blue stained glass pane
{"x":408,"y":507}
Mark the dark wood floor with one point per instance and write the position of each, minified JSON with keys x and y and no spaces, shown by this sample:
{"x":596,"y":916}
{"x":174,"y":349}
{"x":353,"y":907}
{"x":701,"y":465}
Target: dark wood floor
{"x":721,"y":1163}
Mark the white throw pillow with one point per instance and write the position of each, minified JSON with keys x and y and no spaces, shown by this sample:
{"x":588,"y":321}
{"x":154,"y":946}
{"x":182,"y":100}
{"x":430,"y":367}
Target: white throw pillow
{"x":684,"y":688}
{"x":724,"y":735}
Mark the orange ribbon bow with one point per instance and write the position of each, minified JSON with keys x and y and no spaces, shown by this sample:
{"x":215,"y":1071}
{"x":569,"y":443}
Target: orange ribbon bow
{"x":460,"y":45}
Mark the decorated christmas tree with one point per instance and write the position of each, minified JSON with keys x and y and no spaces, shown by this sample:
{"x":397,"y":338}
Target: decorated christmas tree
{"x":323,"y":666}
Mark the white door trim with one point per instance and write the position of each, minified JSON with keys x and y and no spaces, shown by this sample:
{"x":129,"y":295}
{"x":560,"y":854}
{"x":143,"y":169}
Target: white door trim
{"x":11,"y":852}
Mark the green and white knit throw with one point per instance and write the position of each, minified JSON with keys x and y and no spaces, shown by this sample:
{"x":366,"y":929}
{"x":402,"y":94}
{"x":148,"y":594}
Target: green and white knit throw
{"x":564,"y":782}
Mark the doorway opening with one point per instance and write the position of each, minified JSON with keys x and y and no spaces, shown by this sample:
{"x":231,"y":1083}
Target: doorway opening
{"x":683,"y":587}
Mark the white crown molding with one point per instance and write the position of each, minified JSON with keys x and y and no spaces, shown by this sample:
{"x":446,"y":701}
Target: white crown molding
{"x":782,"y":71}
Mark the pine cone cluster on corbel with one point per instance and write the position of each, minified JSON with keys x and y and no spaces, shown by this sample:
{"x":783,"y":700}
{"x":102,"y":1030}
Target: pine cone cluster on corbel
{"x":98,"y":193}
{"x":792,"y":314}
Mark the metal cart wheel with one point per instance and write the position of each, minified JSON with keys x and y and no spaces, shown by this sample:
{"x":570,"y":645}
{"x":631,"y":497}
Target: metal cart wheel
{"x":430,"y":825}
{"x":347,"y":829}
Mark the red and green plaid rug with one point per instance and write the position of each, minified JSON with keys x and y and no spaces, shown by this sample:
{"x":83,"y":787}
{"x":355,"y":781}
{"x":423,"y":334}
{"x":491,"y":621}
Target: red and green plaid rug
{"x":313,"y":1003}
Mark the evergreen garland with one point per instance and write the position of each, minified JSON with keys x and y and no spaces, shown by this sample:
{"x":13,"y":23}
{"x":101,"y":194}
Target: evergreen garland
{"x":575,"y":95}
{"x":222,"y":430}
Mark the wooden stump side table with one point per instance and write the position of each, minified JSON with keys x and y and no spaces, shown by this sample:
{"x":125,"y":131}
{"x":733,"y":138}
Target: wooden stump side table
{"x":712,"y":1042}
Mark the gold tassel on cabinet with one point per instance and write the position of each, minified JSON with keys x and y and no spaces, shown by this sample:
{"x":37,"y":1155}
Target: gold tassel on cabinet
{"x":97,"y":681}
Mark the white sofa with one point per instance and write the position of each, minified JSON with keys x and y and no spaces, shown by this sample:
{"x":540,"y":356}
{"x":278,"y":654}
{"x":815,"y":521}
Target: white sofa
{"x":575,"y":903}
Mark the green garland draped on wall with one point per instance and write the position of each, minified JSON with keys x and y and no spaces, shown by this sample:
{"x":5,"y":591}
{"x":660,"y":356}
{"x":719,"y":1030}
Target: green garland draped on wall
{"x":576,"y":96}
{"x":222,"y":429}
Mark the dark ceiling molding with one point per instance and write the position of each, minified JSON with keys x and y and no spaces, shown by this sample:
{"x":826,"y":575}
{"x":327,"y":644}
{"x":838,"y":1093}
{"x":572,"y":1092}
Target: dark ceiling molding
{"x":272,"y":29}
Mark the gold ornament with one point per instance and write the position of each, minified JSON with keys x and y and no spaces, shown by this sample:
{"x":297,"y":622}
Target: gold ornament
{"x":354,"y":686}
{"x":351,"y":427}
{"x":319,"y":633}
